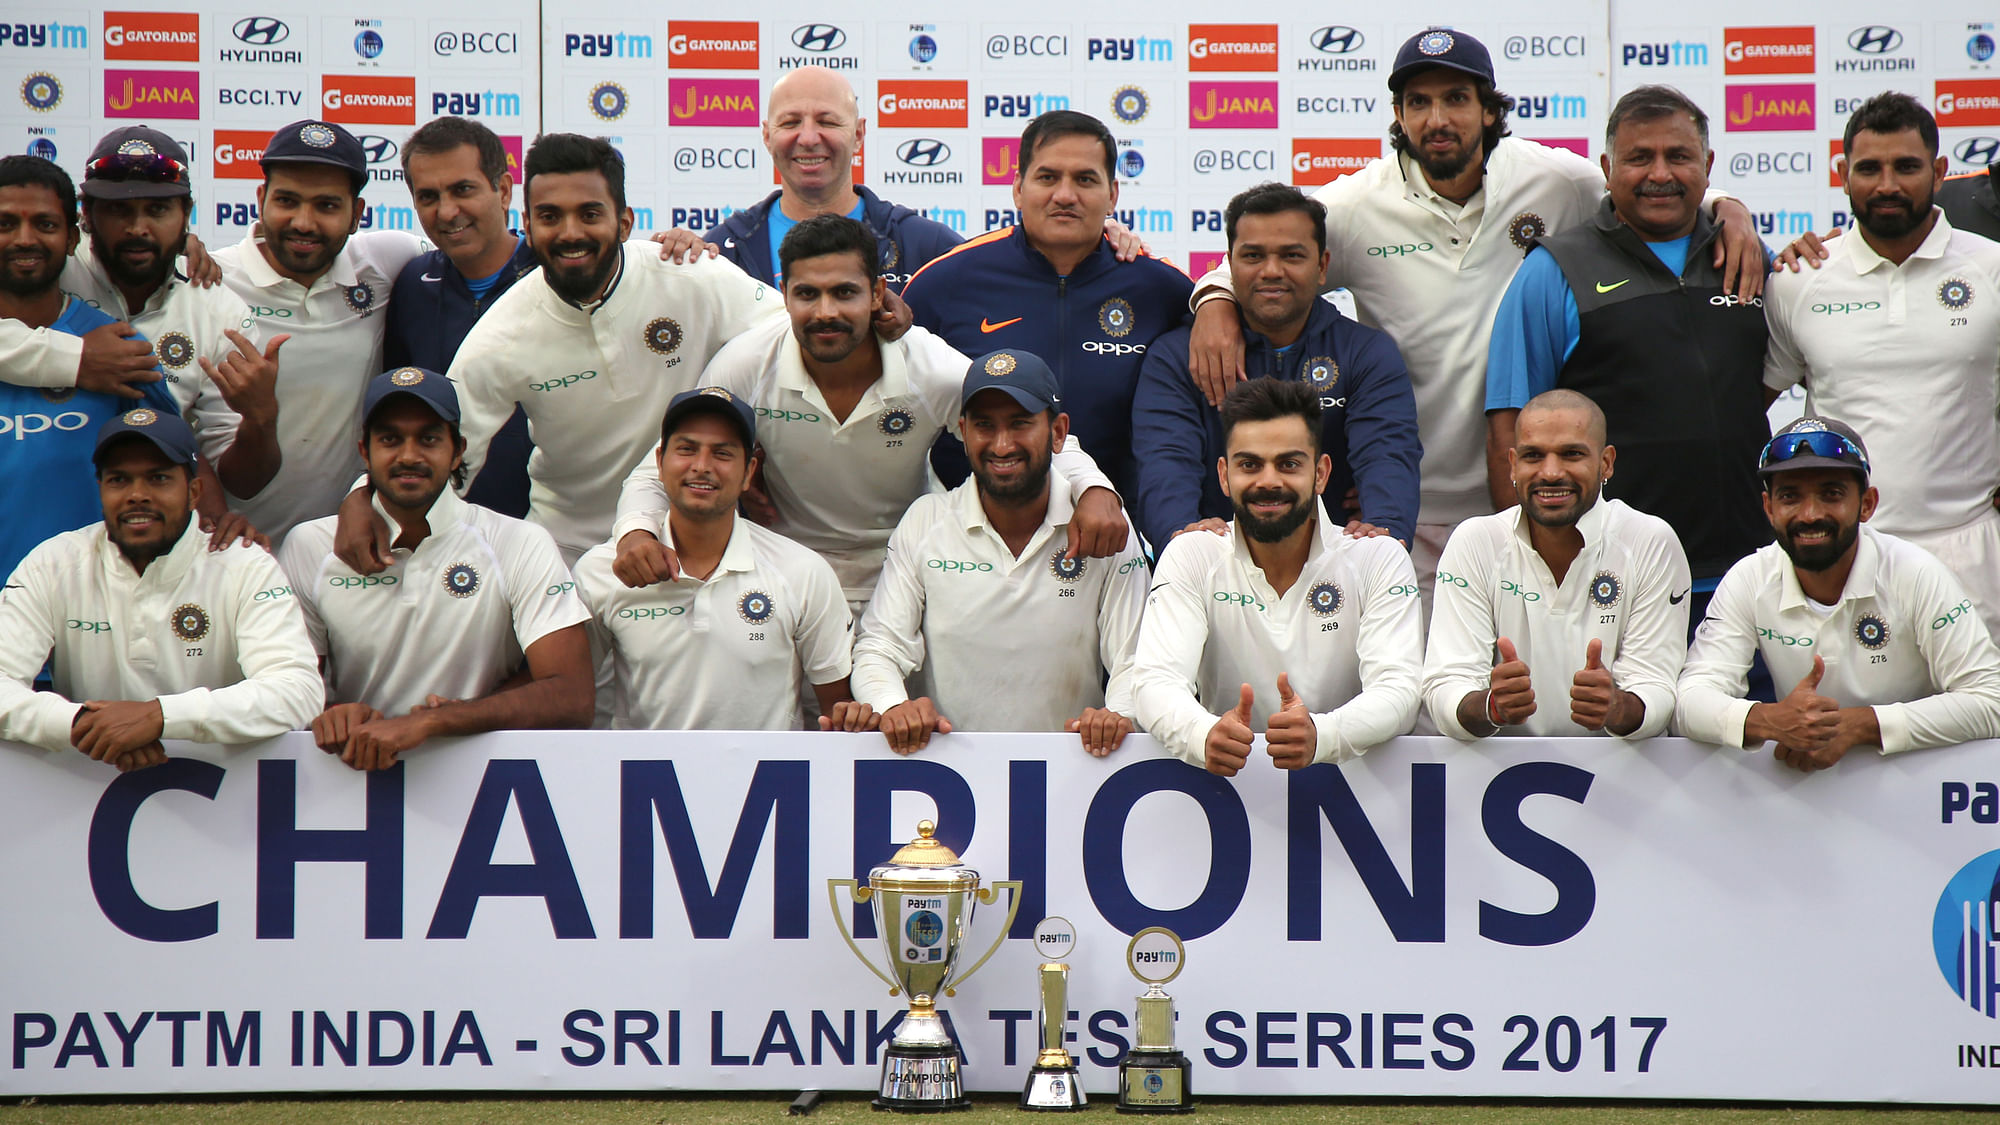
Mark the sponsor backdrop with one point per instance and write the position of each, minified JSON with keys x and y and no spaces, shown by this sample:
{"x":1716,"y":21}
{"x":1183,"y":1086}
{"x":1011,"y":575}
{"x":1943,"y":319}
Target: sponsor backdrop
{"x":628,"y":911}
{"x":1201,"y":109}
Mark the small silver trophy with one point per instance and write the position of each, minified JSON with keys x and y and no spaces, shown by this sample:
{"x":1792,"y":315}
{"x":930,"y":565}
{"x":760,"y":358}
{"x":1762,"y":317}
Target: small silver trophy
{"x":1052,"y":1082}
{"x":1153,"y":1075}
{"x":923,"y":901}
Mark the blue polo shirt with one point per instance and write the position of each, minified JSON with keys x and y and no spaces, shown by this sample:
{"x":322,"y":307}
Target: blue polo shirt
{"x":46,"y":438}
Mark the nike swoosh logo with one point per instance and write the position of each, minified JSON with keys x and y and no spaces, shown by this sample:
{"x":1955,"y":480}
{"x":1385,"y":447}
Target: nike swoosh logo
{"x":988,"y":326}
{"x":1603,"y":288}
{"x":1676,"y":599}
{"x":729,"y":244}
{"x":1158,"y":585}
{"x":431,"y":277}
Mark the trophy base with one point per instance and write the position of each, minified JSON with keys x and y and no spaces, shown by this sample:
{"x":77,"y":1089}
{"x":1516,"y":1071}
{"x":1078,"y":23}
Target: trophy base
{"x":921,"y":1079}
{"x":1154,"y":1082}
{"x":1053,"y":1089}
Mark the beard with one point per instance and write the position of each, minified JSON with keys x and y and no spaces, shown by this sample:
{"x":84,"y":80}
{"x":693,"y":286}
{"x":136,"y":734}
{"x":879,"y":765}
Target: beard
{"x":419,"y":500}
{"x":1026,"y":486}
{"x":1277,"y":528}
{"x":580,"y":283}
{"x":829,"y":351}
{"x":1444,"y":165}
{"x":1820,"y":556}
{"x":143,"y":553}
{"x":124,"y":273}
{"x":43,"y":279}
{"x":1897,"y":223}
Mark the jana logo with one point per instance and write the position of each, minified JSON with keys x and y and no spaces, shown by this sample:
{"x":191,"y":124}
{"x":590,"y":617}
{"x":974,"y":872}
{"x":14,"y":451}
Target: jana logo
{"x":1962,"y":933}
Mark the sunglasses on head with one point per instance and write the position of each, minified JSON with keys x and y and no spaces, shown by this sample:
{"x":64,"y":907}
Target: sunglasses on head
{"x":1816,"y":443}
{"x":137,"y":166}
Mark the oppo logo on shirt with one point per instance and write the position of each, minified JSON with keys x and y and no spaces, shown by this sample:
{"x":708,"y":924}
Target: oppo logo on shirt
{"x":1764,"y":634}
{"x":273,"y":592}
{"x":88,"y":626}
{"x":787,"y":415}
{"x":950,"y":566}
{"x":22,"y":425}
{"x":1403,"y":591}
{"x":1400,"y":249}
{"x":1515,"y":589}
{"x":1106,"y":347}
{"x":559,"y":589}
{"x":1132,"y":564}
{"x":1232,"y":597}
{"x":1446,"y":578}
{"x":1957,"y":611}
{"x":360,"y":581}
{"x":565,"y":381}
{"x":647,"y":613}
{"x":1727,"y":299}
{"x":266,"y":310}
{"x":1842,"y":308}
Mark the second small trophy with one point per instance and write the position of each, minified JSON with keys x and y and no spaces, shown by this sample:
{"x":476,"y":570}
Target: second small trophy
{"x":1052,"y":1083}
{"x":1153,"y":1075}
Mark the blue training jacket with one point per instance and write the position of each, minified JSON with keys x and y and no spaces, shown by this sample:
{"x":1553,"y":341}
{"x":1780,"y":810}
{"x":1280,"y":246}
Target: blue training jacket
{"x":904,"y":238}
{"x":1369,"y":425}
{"x":1092,"y":327}
{"x":430,"y":312}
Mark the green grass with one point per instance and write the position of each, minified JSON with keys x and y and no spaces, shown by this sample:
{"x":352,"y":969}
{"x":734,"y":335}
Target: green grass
{"x":839,"y":1108}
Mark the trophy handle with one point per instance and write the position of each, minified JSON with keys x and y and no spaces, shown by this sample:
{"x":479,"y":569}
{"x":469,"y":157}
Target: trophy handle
{"x":986,"y":895}
{"x":861,"y":894}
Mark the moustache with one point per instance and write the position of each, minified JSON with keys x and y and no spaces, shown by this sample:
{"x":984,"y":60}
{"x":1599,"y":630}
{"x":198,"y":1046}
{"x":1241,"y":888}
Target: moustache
{"x":1794,"y":530}
{"x":1271,"y":496}
{"x":840,"y":326}
{"x":136,"y":244}
{"x":1662,"y":190}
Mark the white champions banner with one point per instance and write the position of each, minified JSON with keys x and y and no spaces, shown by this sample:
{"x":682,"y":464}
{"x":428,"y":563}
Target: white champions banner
{"x":629,"y":911}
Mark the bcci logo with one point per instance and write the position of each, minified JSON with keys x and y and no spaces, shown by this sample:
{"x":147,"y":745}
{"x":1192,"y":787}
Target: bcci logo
{"x":140,"y":417}
{"x":1065,"y":570}
{"x":755,"y":607}
{"x":1872,"y":632}
{"x":41,"y":92}
{"x":1962,"y":933}
{"x":406,"y":377}
{"x":190,"y":623}
{"x":176,"y":350}
{"x":1325,"y":599}
{"x":608,"y":101}
{"x":1115,"y":317}
{"x":1604,"y":590}
{"x":461,"y":581}
{"x":1955,"y":294}
{"x":1322,"y":372}
{"x":1130,"y":104}
{"x":316,"y":135}
{"x":1435,"y":42}
{"x":895,"y":423}
{"x":1526,"y":227}
{"x":663,"y":335}
{"x":360,"y":297}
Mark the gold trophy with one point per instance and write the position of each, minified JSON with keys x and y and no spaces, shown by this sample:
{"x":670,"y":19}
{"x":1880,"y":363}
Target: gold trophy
{"x":1153,"y":1075}
{"x":1052,"y":1082}
{"x":923,"y":902}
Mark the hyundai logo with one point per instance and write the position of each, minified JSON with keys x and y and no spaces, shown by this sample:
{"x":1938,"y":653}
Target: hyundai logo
{"x":923,"y":152}
{"x":380,"y":150}
{"x":1874,"y":40}
{"x":820,"y":37}
{"x":1337,"y":40}
{"x":1977,"y":150}
{"x":261,"y":30}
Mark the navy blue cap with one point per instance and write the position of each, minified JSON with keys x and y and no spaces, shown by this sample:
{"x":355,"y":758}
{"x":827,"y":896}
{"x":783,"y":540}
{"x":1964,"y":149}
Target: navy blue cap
{"x":1023,"y":375}
{"x":136,"y":162}
{"x":169,"y":433}
{"x":316,"y":142}
{"x":423,"y":384}
{"x":712,"y":400}
{"x":1441,"y":46}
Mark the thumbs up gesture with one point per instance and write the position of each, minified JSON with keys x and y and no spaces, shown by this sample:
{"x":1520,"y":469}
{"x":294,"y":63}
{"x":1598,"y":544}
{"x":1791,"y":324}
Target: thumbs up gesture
{"x":1228,"y":744}
{"x":1803,"y":722}
{"x":1592,"y":695}
{"x":1290,"y":736}
{"x":1512,"y":698}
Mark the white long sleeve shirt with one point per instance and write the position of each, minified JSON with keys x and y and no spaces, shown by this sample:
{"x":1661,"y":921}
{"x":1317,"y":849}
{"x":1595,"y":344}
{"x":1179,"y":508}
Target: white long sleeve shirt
{"x":1346,"y":633}
{"x":336,"y":347}
{"x":732,"y":651}
{"x":596,"y":383}
{"x":999,"y":642}
{"x":452,"y":618}
{"x":216,"y":637}
{"x":839,"y":486}
{"x":1909,"y":355}
{"x":1904,"y":639}
{"x":1628,"y":588}
{"x":183,"y":322}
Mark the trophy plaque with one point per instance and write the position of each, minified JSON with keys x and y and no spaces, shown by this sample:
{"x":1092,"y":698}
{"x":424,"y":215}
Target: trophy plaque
{"x":1052,"y":1082}
{"x":923,"y":899}
{"x":1153,"y":1075}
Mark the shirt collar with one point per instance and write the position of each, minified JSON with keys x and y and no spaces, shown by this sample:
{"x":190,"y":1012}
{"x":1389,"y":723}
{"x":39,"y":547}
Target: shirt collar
{"x":253,"y":265}
{"x":1324,"y":534}
{"x":1420,"y":186}
{"x":168,"y":569}
{"x":1932,"y":247}
{"x":1590,"y":525}
{"x":737,"y":557}
{"x":590,"y":308}
{"x":972,"y":513}
{"x":894,"y":380}
{"x":446,"y":512}
{"x":1860,"y":580}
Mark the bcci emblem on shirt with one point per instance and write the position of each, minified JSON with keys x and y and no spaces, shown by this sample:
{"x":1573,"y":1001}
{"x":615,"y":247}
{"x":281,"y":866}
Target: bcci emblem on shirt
{"x":190,"y":623}
{"x":755,"y":607}
{"x":360,"y":297}
{"x":895,"y":423}
{"x":1525,"y":229}
{"x":1604,"y":590}
{"x":1872,"y":632}
{"x":175,"y":350}
{"x":1954,"y":294}
{"x":461,"y":581}
{"x":663,"y":335}
{"x":1066,"y":570}
{"x":1325,"y":599}
{"x":1115,"y":317}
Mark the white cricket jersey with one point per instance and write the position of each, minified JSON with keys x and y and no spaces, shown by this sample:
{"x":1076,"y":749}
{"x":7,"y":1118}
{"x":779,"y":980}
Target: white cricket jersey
{"x":729,"y":652}
{"x":999,"y":642}
{"x":1346,"y":633}
{"x":596,"y":384}
{"x":1628,"y":588}
{"x":1909,"y":356}
{"x":215,"y":636}
{"x":183,"y":321}
{"x":451,"y":618}
{"x":323,"y":370}
{"x":839,"y":487}
{"x":1904,"y":639}
{"x":1431,"y":274}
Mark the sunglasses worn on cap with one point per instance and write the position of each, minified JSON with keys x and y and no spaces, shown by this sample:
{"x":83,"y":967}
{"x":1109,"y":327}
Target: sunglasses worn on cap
{"x":1819,"y":443}
{"x":125,"y":166}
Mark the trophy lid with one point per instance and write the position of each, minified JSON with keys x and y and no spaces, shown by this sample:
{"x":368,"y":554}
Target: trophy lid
{"x":924,"y":864}
{"x":925,"y":851}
